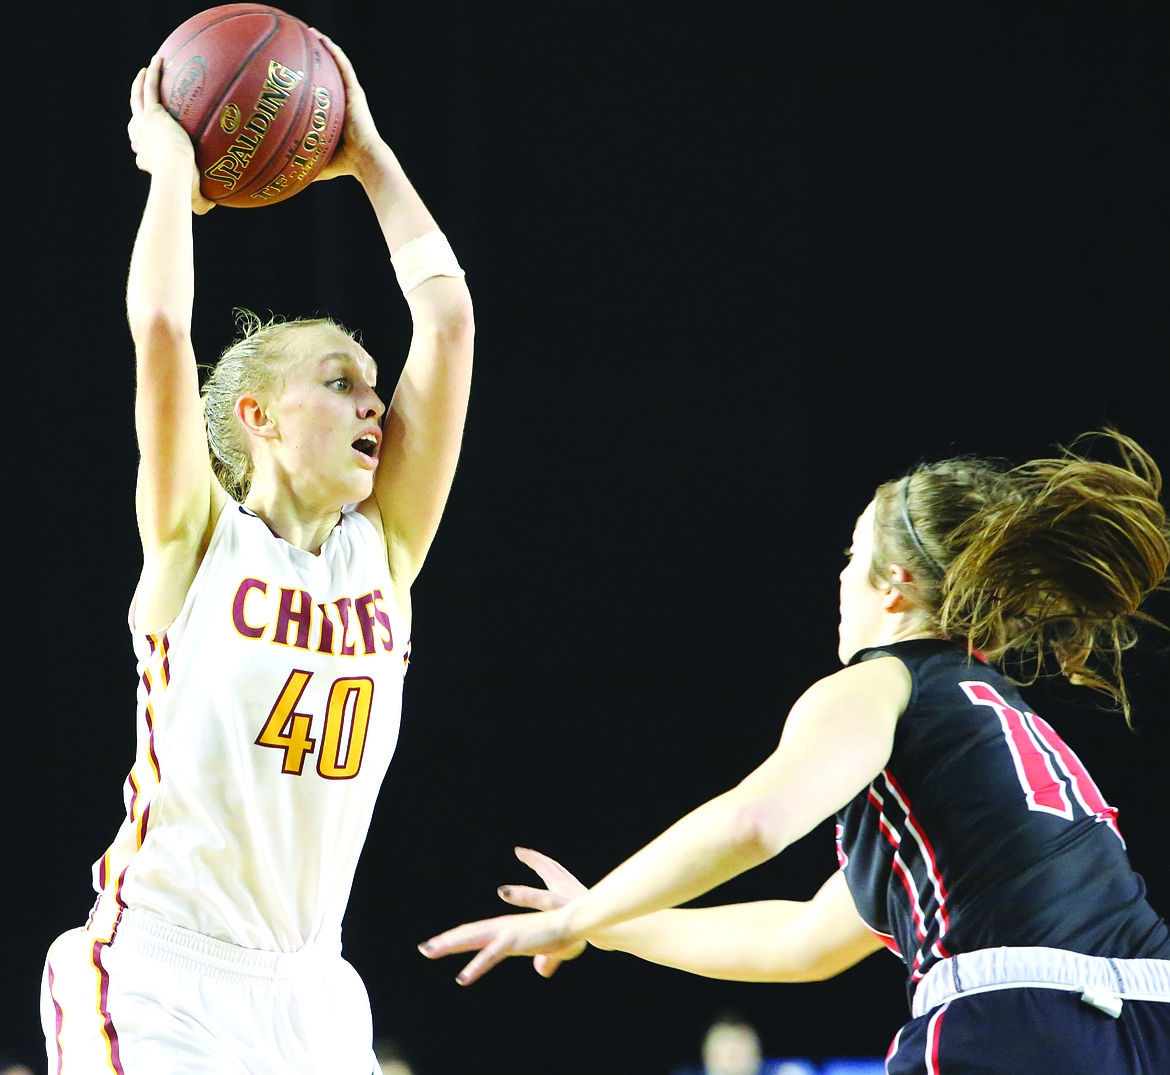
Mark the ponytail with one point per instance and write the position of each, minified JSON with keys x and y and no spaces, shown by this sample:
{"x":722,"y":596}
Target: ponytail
{"x":1050,"y":558}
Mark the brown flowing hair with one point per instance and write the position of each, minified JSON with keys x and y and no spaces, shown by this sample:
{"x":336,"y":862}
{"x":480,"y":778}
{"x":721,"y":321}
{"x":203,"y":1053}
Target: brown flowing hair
{"x":1051,"y":558}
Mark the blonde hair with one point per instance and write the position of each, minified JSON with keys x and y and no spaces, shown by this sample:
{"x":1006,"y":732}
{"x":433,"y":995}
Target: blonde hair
{"x":1051,"y":558}
{"x":253,"y":364}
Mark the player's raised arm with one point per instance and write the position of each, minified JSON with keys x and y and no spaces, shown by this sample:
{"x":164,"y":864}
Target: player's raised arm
{"x":424,"y":425}
{"x":177,"y":493}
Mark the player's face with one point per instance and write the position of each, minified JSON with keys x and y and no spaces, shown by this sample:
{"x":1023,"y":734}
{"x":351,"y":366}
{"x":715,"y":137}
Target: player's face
{"x":329,"y":417}
{"x":863,"y":605}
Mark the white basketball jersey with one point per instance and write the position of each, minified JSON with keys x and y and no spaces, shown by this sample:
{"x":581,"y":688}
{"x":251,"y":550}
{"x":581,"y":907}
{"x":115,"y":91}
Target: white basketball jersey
{"x":268,"y":712}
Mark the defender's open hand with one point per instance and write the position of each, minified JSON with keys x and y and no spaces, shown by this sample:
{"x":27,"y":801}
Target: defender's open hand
{"x":544,"y":935}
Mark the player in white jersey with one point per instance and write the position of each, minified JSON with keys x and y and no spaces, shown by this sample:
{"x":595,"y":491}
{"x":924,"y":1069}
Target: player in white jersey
{"x":271,"y":624}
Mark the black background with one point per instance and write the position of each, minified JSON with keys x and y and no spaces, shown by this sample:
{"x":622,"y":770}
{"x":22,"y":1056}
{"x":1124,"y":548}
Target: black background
{"x":733,"y":267}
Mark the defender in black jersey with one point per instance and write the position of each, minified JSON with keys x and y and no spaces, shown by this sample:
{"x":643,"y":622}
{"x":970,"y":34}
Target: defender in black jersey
{"x":984,"y":829}
{"x":972,"y":842}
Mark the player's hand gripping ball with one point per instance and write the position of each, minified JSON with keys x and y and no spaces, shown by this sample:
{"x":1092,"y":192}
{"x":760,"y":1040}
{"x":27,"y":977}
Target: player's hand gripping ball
{"x":261,"y":98}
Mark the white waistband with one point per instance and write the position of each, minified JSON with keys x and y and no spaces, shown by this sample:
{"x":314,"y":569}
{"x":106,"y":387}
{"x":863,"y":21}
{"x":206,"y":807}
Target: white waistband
{"x":1041,"y":968}
{"x":154,"y":937}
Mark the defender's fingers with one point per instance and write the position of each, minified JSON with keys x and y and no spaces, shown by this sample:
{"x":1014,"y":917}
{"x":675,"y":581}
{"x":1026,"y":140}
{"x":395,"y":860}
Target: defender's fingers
{"x":539,"y":899}
{"x":551,"y":872}
{"x":531,"y":857}
{"x":463,"y":938}
{"x":482,"y":963}
{"x":542,"y":864}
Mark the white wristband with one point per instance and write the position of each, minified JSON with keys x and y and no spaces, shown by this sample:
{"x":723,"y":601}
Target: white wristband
{"x":422,"y":258}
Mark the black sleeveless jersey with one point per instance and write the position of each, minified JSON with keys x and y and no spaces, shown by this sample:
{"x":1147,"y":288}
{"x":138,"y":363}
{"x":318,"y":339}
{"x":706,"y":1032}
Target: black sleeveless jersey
{"x":984,"y":829}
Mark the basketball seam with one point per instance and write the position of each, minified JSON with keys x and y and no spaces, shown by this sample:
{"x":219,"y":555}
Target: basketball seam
{"x":213,"y":112}
{"x":305,"y":86}
{"x":298,"y":105}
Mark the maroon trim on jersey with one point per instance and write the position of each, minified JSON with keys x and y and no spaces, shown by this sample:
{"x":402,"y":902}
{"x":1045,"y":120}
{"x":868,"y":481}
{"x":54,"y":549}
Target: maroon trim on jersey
{"x":109,"y":1031}
{"x":58,"y":1015}
{"x":157,"y":642}
{"x":148,"y":711}
{"x":134,"y":791}
{"x":140,"y":822}
{"x":149,"y":716}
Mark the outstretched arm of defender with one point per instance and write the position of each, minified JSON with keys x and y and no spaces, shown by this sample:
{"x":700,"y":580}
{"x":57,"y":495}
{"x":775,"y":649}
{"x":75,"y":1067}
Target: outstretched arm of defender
{"x":837,"y":737}
{"x":766,"y":941}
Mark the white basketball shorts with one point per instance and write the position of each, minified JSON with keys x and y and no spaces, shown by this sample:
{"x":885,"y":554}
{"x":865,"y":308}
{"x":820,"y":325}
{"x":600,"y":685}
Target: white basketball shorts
{"x":160,"y":1000}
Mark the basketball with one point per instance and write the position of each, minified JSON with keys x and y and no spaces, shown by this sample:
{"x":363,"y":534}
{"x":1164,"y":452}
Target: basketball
{"x":261,"y":97}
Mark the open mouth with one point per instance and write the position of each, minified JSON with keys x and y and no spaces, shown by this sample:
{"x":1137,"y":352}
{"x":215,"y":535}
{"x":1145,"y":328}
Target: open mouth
{"x":367,"y":444}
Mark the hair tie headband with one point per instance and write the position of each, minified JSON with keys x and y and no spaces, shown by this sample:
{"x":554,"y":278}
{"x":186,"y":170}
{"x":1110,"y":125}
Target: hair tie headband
{"x":930,"y":560}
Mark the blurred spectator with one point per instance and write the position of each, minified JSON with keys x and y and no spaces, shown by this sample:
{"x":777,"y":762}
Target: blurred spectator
{"x":732,"y":1047}
{"x":8,"y":1066}
{"x":391,"y":1060}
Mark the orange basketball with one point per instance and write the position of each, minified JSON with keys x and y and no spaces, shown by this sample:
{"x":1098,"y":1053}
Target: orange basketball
{"x":261,"y":98}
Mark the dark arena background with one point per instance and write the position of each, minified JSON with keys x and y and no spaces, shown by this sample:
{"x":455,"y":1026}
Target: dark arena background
{"x":733,"y":267}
